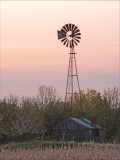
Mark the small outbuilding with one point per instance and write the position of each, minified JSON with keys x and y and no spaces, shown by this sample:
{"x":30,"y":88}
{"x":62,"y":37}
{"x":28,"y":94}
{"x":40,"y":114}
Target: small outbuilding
{"x":77,"y":127}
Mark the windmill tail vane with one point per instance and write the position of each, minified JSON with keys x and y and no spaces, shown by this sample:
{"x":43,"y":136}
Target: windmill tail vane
{"x":61,"y":34}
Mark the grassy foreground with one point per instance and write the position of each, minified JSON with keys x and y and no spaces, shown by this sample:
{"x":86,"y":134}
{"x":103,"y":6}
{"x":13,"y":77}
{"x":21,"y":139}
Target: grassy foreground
{"x":60,"y":151}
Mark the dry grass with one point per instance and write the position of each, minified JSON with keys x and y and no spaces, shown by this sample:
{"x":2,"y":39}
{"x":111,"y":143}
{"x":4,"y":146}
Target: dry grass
{"x":84,"y":151}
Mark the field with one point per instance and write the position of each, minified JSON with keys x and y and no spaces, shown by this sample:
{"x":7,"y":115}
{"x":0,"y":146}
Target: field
{"x":60,"y":151}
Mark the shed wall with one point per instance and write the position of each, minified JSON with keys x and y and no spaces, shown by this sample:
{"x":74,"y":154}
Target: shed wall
{"x":71,"y":129}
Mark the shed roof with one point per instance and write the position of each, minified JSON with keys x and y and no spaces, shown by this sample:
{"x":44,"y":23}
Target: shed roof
{"x":86,"y":123}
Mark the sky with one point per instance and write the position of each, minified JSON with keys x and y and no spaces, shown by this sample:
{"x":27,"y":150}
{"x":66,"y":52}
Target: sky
{"x":32,"y":55}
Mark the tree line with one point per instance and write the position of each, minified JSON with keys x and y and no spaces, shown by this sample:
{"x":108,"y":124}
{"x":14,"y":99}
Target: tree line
{"x":31,"y":116}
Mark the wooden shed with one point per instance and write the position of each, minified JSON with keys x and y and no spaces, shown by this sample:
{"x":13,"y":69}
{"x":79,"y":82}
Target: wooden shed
{"x":77,"y":127}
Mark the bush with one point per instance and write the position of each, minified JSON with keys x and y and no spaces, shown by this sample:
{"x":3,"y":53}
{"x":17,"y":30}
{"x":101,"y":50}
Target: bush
{"x":81,"y":139}
{"x":58,"y":139}
{"x":20,"y":138}
{"x":1,"y":127}
{"x":47,"y":138}
{"x":68,"y":139}
{"x":77,"y":139}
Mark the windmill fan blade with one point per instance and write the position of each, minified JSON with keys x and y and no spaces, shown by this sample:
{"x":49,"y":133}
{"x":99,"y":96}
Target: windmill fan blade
{"x":76,"y":31}
{"x":75,"y":28}
{"x":67,"y":26}
{"x":72,"y":26}
{"x":65,"y":42}
{"x":63,"y":39}
{"x":78,"y":37}
{"x":77,"y":34}
{"x":72,"y":43}
{"x":64,"y":28}
{"x":76,"y":40}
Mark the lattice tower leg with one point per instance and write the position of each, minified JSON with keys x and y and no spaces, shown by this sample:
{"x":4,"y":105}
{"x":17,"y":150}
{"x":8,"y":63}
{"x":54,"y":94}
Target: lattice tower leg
{"x":72,"y":73}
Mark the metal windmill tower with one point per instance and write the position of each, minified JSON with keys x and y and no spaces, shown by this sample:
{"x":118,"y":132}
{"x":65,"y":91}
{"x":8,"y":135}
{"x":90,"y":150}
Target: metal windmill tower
{"x":70,"y":37}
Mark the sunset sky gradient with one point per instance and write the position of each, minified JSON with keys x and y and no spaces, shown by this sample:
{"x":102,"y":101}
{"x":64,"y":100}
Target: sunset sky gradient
{"x":31,"y":54}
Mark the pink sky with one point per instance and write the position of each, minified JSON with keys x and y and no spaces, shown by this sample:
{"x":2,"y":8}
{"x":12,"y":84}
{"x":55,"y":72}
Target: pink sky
{"x":31,"y":54}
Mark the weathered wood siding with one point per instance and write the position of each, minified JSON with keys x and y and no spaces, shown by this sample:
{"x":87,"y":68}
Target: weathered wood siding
{"x":71,"y":129}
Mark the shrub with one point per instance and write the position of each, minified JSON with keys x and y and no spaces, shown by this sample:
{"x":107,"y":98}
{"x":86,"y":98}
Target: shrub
{"x":47,"y":138}
{"x":1,"y":127}
{"x":81,"y":139}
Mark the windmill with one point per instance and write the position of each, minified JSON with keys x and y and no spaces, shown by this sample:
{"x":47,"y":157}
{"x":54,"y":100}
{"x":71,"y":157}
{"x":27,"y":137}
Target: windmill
{"x":70,"y":37}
